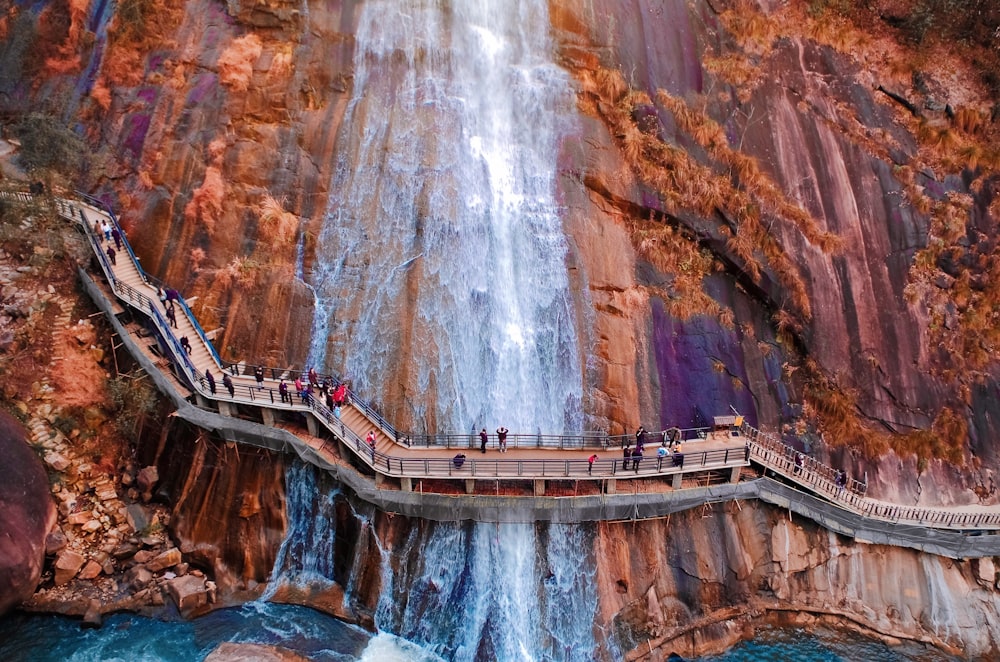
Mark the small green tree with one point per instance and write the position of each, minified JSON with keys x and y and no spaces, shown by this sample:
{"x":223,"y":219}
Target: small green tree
{"x":133,"y":400}
{"x":48,"y":145}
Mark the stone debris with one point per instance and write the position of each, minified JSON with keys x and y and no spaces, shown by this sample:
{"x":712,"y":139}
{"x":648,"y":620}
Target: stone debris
{"x":188,"y":592}
{"x":57,"y":461}
{"x":91,"y":570}
{"x":167,"y":559}
{"x":103,"y":539}
{"x":67,"y":564}
{"x":147,"y":479}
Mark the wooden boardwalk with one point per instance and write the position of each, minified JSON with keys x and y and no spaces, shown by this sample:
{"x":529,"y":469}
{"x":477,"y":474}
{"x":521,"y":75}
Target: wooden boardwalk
{"x":404,"y":458}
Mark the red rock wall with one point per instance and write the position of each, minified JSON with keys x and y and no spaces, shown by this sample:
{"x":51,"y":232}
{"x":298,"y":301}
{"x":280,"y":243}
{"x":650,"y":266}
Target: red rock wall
{"x":228,"y":504}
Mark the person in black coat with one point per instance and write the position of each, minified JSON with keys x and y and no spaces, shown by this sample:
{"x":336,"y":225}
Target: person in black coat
{"x":211,"y":381}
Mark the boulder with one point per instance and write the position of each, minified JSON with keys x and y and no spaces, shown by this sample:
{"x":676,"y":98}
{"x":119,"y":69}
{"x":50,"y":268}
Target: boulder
{"x":91,"y":571}
{"x":167,"y":559}
{"x":92,"y":617}
{"x":27,"y":514}
{"x":147,"y":479}
{"x":188,"y":592}
{"x":233,"y":652}
{"x":137,"y":516}
{"x":57,"y":461}
{"x":67,"y":565}
{"x":125,"y":550}
{"x":144,"y":556}
{"x":55,"y":542}
{"x":92,"y":526}
{"x":138,"y":577}
{"x":82,"y":517}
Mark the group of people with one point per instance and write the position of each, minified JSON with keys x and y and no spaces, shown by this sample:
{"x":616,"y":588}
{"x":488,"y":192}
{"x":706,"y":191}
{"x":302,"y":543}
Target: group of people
{"x":484,"y":439}
{"x":111,"y":233}
{"x":670,"y":445}
{"x":167,"y":297}
{"x":333,"y":395}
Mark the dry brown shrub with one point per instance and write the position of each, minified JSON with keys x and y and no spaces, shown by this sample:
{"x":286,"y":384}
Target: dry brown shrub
{"x":281,"y":64}
{"x":206,"y":201}
{"x":969,"y":120}
{"x":610,"y":84}
{"x":216,"y":150}
{"x":236,"y":62}
{"x":124,"y":69}
{"x":101,"y":94}
{"x":198,"y":256}
{"x":67,"y":57}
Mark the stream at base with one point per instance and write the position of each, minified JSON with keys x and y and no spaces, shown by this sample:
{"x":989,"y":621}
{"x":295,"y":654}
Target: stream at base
{"x":315,"y":636}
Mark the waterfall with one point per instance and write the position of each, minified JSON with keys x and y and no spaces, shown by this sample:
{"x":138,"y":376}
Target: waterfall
{"x":442,"y":262}
{"x":305,"y":557}
{"x":444,"y":233}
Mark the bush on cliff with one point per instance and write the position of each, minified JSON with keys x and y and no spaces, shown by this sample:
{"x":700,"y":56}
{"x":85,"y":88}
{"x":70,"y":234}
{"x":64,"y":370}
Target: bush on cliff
{"x":48,"y":145}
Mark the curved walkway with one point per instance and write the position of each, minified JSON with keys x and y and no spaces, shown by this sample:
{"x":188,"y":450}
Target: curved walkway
{"x":531,"y":457}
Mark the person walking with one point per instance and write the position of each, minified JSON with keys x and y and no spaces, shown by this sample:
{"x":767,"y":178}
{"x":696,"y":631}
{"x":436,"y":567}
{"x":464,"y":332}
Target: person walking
{"x":370,"y":439}
{"x":258,"y":374}
{"x":483,"y":438}
{"x":590,"y":464}
{"x":111,"y":255}
{"x":502,"y":438}
{"x":626,"y":454}
{"x":186,"y":344}
{"x":172,"y":316}
{"x":117,"y":236}
{"x":211,"y":381}
{"x":107,"y":231}
{"x":228,"y":383}
{"x":283,"y":391}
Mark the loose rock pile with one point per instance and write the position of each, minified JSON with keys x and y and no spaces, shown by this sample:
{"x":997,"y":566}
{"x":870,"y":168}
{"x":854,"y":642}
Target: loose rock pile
{"x":110,"y":550}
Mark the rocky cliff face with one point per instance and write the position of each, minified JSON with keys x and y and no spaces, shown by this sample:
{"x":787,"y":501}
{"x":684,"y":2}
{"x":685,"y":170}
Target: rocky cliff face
{"x":228,"y":506}
{"x":767,"y":206}
{"x":27,"y":514}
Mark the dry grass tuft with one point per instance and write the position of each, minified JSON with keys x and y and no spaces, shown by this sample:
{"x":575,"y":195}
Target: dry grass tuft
{"x":101,"y":94}
{"x":276,"y":226}
{"x":206,"y":201}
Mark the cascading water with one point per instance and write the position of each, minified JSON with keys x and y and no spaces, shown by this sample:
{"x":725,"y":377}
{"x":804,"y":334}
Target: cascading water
{"x":444,"y":250}
{"x":487,"y":591}
{"x":444,"y":234}
{"x":306,"y":555}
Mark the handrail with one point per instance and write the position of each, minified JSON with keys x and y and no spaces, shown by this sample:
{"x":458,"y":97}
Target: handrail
{"x":101,"y":206}
{"x":768,"y":450}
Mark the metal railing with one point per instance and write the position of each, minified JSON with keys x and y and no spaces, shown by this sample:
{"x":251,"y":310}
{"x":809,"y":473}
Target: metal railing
{"x":771,"y":452}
